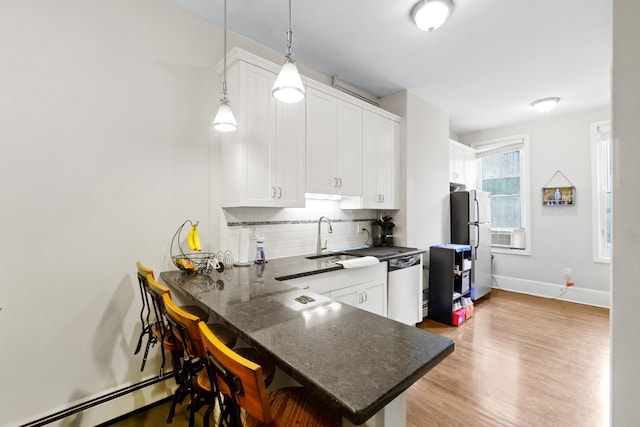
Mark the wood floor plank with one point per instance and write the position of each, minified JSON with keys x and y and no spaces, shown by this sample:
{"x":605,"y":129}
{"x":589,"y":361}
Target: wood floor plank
{"x":520,"y":361}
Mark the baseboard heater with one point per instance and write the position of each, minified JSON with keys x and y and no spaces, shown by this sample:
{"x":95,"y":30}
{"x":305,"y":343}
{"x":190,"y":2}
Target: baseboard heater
{"x":96,"y":401}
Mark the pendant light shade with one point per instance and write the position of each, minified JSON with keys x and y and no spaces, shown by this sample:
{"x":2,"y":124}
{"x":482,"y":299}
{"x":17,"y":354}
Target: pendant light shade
{"x":431,"y":14}
{"x":288,"y":86}
{"x":224,"y":120}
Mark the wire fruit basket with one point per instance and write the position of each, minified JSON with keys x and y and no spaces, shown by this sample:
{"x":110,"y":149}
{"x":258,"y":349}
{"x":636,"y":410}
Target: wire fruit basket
{"x":192,"y":262}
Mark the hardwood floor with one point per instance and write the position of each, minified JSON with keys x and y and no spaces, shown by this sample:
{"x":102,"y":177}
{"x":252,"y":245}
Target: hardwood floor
{"x":520,"y":361}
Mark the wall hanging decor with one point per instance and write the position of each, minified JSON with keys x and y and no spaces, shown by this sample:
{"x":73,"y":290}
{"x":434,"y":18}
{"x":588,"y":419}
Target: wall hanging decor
{"x":560,"y":194}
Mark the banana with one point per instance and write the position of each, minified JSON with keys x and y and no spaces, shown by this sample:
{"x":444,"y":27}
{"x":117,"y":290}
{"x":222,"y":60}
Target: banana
{"x":196,"y":239}
{"x":192,"y":246}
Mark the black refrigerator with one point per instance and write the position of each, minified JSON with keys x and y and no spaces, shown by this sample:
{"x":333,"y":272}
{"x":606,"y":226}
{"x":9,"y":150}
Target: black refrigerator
{"x":471,"y":225}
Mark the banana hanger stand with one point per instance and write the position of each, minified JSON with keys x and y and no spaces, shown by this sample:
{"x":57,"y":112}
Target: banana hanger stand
{"x":193,"y":261}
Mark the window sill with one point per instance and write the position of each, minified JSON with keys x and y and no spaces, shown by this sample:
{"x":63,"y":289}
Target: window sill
{"x":510,"y":251}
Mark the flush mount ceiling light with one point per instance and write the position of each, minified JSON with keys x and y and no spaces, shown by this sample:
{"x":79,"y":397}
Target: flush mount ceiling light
{"x":431,"y":14}
{"x":288,"y":86}
{"x":224,"y":120}
{"x":546,"y":104}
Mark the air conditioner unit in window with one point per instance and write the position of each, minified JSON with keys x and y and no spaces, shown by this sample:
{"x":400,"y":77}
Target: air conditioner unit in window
{"x":511,"y":239}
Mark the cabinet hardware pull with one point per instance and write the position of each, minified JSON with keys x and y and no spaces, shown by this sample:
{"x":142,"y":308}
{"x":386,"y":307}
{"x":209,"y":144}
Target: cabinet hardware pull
{"x":382,"y":195}
{"x":340,"y":180}
{"x":273,"y":192}
{"x":335,"y":182}
{"x":279,"y":192}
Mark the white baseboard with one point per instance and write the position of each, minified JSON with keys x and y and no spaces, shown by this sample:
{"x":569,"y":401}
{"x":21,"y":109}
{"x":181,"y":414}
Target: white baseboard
{"x":100,"y":408}
{"x":553,"y":290}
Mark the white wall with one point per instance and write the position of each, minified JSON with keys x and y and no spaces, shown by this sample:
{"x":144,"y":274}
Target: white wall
{"x":105,"y":107}
{"x":561,"y":237}
{"x":424,"y":217}
{"x":106,"y":150}
{"x":625,"y":327}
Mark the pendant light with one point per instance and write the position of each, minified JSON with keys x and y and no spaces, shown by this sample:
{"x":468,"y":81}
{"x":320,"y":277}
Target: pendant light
{"x":224,"y":120}
{"x":288,"y":86}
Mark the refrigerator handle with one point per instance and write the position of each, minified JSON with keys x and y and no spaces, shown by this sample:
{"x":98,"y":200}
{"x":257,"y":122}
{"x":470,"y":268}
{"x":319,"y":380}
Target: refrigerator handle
{"x":477,"y":218}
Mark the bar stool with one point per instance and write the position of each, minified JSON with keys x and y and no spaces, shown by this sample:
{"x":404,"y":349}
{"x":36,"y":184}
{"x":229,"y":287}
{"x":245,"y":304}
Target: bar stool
{"x":185,"y":327}
{"x":241,"y":381}
{"x":151,"y":314}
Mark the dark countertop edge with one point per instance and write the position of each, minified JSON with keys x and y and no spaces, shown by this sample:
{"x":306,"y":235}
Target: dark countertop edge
{"x":361,"y":416}
{"x":399,"y":255}
{"x":309,"y":273}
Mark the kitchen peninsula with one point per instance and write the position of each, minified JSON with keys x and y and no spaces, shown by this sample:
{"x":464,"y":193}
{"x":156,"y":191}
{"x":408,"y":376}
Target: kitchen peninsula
{"x":358,"y":362}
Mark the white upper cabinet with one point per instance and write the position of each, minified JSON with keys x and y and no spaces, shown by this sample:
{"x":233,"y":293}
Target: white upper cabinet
{"x":334,"y":145}
{"x":280,"y":151}
{"x":380,"y":161}
{"x":263,"y":161}
{"x":462,"y":164}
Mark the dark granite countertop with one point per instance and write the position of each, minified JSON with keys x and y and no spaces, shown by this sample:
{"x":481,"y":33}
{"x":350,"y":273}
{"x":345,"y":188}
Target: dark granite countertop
{"x":354,"y":360}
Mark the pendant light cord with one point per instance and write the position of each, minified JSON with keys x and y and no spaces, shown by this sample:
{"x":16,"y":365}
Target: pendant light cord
{"x":289,"y":53}
{"x":224,"y":80}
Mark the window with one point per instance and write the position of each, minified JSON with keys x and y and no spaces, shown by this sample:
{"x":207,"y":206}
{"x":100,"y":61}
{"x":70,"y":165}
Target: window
{"x":503,"y":174}
{"x":601,"y":190}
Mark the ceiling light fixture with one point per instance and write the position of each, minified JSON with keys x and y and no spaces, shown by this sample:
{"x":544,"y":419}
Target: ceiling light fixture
{"x":288,"y":86}
{"x":224,"y":120}
{"x":546,"y":104}
{"x":431,"y":14}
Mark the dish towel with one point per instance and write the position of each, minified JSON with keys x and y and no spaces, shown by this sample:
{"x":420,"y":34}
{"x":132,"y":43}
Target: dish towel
{"x":364,"y":261}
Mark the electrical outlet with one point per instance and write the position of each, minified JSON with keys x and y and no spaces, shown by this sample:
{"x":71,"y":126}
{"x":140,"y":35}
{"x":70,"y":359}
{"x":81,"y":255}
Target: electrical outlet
{"x":358,"y":227}
{"x":567,"y":272}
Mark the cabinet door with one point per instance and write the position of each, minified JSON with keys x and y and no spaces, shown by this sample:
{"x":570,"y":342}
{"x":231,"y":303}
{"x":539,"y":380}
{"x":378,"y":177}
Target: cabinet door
{"x":462,"y":164}
{"x":369,"y":296}
{"x":380,"y":161}
{"x":348,"y":149}
{"x":246,"y":153}
{"x":375,"y":298}
{"x":321,"y":143}
{"x":350,"y":296}
{"x":289,"y":155}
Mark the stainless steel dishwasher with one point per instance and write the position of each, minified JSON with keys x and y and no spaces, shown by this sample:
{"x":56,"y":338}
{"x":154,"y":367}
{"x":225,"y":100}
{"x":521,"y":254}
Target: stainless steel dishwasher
{"x":404,"y":296}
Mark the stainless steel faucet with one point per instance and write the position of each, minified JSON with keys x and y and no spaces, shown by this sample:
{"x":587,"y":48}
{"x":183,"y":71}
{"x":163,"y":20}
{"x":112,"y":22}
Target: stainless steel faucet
{"x":320,"y":248}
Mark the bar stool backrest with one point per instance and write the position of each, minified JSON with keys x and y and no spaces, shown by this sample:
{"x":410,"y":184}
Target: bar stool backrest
{"x":185,"y":326}
{"x":238,"y":378}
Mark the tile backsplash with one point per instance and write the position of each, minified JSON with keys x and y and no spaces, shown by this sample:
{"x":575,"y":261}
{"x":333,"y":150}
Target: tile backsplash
{"x":293,"y":231}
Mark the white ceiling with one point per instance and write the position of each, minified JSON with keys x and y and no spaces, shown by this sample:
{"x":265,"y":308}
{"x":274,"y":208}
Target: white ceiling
{"x":484,"y":66}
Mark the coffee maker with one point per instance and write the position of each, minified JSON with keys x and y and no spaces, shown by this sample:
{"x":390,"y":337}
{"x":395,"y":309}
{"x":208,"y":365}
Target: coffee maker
{"x":382,"y":231}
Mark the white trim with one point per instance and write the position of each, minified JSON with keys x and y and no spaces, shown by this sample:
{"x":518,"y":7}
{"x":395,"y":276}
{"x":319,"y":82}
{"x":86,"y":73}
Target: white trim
{"x":502,"y":145}
{"x":597,"y":129}
{"x":111,"y":409}
{"x":552,"y":290}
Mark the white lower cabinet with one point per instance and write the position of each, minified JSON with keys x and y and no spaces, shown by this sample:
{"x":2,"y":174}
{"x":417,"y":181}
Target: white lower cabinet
{"x":369,"y":296}
{"x":364,"y":288}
